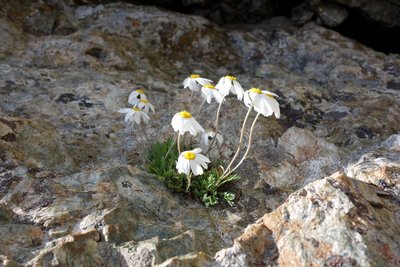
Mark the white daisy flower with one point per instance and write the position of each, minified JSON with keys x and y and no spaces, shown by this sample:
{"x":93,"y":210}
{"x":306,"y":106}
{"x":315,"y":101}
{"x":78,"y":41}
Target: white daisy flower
{"x":207,"y":137}
{"x":184,"y":122}
{"x":136,"y":96}
{"x":193,"y":161}
{"x":230,"y":84}
{"x":195,"y":82}
{"x":208,"y":91}
{"x":134,"y":114}
{"x":144,"y":105}
{"x":262,"y":101}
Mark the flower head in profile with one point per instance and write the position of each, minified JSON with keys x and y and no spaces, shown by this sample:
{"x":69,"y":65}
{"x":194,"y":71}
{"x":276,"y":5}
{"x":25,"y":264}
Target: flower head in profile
{"x":230,"y":84}
{"x":194,"y":82}
{"x":208,"y":91}
{"x":193,"y":161}
{"x":136,"y":96}
{"x":207,"y":137}
{"x":144,"y":105}
{"x":134,"y":114}
{"x":184,"y":122}
{"x":262,"y":101}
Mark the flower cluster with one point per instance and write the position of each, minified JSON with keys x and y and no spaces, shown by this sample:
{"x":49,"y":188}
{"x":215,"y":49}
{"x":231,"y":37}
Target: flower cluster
{"x":140,"y":107}
{"x":192,"y":161}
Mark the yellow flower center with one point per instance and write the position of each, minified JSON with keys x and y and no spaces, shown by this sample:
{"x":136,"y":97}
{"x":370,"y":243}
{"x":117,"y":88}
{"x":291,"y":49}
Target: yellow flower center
{"x":209,"y":86}
{"x":232,"y":78}
{"x":144,"y":101}
{"x":135,"y":109}
{"x":140,"y":91}
{"x":189,"y":155}
{"x":256,"y":90}
{"x":194,"y":76}
{"x":185,"y":114}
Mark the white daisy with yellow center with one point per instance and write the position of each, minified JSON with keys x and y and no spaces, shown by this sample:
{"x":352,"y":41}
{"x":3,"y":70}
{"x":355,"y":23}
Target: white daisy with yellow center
{"x":230,"y":84}
{"x":136,"y":96}
{"x":262,"y":101}
{"x":193,"y":161}
{"x":194,"y":82}
{"x":208,"y":91}
{"x":184,"y":122}
{"x":134,"y":114}
{"x":145,"y":105}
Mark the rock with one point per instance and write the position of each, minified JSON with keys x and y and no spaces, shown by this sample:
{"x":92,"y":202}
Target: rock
{"x":336,"y":220}
{"x":34,"y":143}
{"x":380,"y":167}
{"x":300,"y":158}
{"x":71,"y":169}
{"x":384,"y":12}
{"x":331,"y":14}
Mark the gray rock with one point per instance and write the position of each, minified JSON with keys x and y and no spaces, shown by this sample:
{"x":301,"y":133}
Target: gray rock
{"x":70,"y":168}
{"x":331,"y":14}
{"x":336,"y":220}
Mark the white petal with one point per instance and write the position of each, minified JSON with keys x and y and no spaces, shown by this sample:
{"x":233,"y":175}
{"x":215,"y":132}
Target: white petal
{"x":239,"y":90}
{"x":203,"y":158}
{"x":128,"y":116}
{"x":132,"y":97}
{"x":152,"y":108}
{"x":269,"y":93}
{"x":196,"y":168}
{"x":274,"y":106}
{"x":145,"y":117}
{"x":197,"y":150}
{"x":124,"y":110}
{"x":203,"y":81}
{"x":186,"y":82}
{"x":136,"y":117}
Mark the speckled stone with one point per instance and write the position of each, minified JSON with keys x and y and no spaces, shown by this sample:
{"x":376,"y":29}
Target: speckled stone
{"x":71,"y":169}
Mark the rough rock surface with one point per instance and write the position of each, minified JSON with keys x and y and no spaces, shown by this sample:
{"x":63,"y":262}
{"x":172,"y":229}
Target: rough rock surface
{"x":72,"y":190}
{"x":335,"y":221}
{"x":333,"y":13}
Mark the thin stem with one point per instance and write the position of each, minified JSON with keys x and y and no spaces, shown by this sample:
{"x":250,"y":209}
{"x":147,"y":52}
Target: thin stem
{"x":190,"y":102}
{"x":248,"y":146}
{"x":134,"y":136}
{"x":240,"y":142}
{"x":200,"y":107}
{"x":170,"y":148}
{"x":216,"y":125}
{"x":144,"y":132}
{"x":179,"y":143}
{"x":189,"y":178}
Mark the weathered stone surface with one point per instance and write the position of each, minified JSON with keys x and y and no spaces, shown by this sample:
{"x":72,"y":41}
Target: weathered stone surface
{"x":333,"y":13}
{"x":380,"y":167}
{"x":385,"y":12}
{"x":334,"y":221}
{"x":70,"y":168}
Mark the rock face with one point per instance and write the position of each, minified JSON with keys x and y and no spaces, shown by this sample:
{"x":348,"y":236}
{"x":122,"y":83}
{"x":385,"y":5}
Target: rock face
{"x":336,"y":221}
{"x":72,"y":187}
{"x":333,"y":13}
